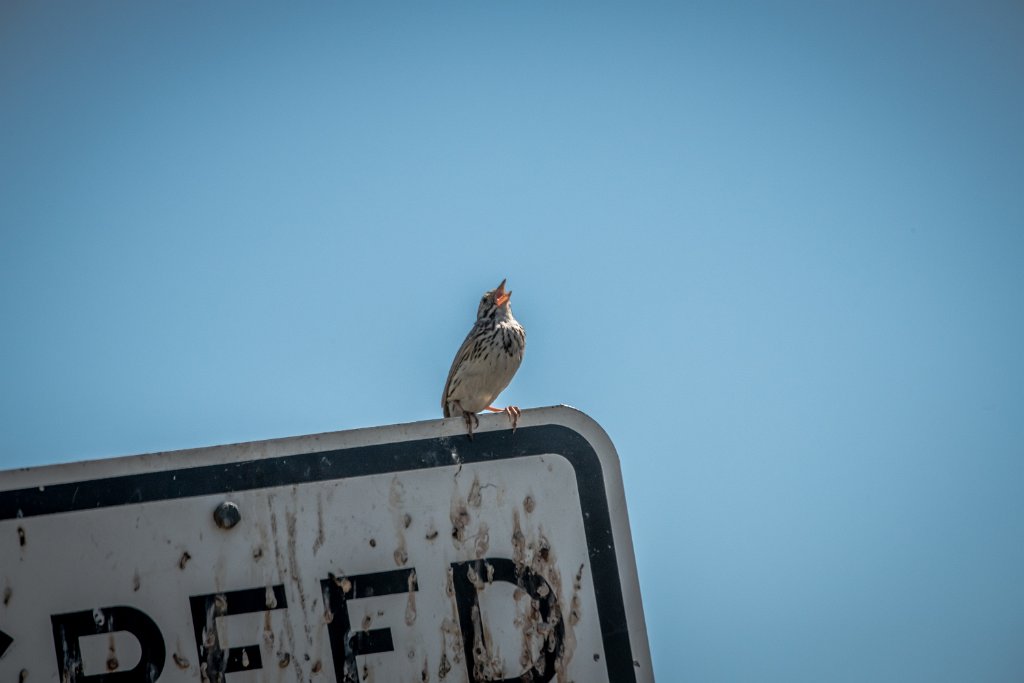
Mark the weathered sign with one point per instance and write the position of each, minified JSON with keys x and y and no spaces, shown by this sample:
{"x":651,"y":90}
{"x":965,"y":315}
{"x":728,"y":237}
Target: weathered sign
{"x":402,"y":553}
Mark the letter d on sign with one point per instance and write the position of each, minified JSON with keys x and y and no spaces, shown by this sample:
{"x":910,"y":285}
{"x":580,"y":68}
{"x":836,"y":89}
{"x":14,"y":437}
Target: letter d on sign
{"x":68,"y":628}
{"x":471,"y":578}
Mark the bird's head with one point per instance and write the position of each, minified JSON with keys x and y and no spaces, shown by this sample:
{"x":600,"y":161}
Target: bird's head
{"x":494,"y":303}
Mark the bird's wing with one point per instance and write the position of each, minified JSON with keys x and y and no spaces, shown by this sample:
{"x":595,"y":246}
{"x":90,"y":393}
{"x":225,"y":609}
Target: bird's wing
{"x":462,"y":353}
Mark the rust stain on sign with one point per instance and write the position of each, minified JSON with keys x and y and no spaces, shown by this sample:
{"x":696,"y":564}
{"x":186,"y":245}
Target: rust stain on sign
{"x":112,"y":663}
{"x":410,"y":603}
{"x":475,"y":499}
{"x":402,"y":520}
{"x":185,"y":557}
{"x":529,"y":504}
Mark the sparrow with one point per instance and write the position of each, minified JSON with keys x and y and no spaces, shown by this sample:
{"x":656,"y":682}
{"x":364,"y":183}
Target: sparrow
{"x":486,"y":361}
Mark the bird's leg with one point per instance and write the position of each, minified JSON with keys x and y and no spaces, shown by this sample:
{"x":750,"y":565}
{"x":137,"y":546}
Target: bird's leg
{"x":471,"y":421}
{"x":513,"y":414}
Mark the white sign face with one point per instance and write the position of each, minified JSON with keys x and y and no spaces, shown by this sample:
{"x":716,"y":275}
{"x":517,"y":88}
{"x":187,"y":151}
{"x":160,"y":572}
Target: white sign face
{"x":404,"y":553}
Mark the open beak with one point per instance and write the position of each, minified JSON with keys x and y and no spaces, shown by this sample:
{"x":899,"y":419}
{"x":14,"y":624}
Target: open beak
{"x":500,"y":295}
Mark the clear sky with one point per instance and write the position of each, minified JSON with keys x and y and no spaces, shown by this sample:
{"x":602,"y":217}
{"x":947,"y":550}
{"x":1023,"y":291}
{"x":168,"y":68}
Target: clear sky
{"x":775,"y":249}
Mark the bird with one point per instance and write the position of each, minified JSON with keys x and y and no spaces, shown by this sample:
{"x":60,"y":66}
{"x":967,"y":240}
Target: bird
{"x":486,"y":361}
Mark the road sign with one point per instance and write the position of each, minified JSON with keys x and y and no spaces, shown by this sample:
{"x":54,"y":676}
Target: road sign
{"x":401,"y":553}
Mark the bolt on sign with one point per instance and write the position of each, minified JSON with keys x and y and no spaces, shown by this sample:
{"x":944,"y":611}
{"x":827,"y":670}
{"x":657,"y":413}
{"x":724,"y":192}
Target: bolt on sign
{"x":402,"y":553}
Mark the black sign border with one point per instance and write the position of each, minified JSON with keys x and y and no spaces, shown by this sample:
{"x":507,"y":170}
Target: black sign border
{"x":359,"y":461}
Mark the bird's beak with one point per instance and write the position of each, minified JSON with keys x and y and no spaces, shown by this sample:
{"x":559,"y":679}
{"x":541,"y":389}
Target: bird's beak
{"x":500,"y":295}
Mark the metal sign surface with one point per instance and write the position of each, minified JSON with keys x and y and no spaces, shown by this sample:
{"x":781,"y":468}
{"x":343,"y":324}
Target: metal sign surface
{"x":402,"y":553}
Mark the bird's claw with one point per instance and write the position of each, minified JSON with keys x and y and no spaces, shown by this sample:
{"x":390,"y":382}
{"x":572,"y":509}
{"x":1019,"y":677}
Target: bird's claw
{"x":513,"y":413}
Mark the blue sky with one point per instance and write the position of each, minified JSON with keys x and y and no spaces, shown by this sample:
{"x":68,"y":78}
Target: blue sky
{"x":775,"y":250}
